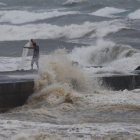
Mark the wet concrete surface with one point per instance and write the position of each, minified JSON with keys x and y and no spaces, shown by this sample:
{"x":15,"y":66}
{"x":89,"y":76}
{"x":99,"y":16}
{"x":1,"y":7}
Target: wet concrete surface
{"x":17,"y":86}
{"x":17,"y":76}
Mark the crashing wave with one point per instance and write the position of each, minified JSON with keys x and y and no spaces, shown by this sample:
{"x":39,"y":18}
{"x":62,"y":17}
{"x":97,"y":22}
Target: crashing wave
{"x":3,"y":4}
{"x":48,"y":31}
{"x":108,"y":12}
{"x":57,"y":82}
{"x":70,"y":2}
{"x":134,"y":15}
{"x":16,"y":17}
{"x":108,"y":54}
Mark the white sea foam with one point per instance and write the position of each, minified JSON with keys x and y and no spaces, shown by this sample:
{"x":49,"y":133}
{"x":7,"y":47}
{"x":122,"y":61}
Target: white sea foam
{"x":108,"y":12}
{"x":135,"y":15}
{"x":11,"y":64}
{"x":106,"y":28}
{"x":3,"y":4}
{"x":18,"y":17}
{"x":117,"y":59}
{"x":59,"y":82}
{"x":69,"y":2}
{"x":55,"y":84}
{"x":49,"y":103}
{"x":48,"y":31}
{"x":98,"y":100}
{"x":17,"y":130}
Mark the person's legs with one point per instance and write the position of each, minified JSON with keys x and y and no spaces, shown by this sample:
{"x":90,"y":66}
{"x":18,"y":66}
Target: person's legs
{"x":32,"y":63}
{"x":37,"y":59}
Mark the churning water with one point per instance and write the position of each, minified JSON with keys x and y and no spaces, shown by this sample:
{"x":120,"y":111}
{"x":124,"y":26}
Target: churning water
{"x":68,"y":101}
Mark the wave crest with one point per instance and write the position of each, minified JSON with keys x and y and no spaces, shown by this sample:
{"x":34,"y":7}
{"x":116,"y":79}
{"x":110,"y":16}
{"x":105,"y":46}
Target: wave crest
{"x":115,"y":58}
{"x":134,"y":15}
{"x":3,"y":4}
{"x":108,"y":12}
{"x":48,"y":31}
{"x":16,"y":17}
{"x":70,"y":2}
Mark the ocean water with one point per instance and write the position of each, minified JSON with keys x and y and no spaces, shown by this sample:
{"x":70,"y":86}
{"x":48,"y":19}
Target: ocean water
{"x":68,"y":101}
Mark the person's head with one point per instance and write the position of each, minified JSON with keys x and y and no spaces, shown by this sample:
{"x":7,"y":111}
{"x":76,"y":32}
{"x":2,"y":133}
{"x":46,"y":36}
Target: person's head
{"x":34,"y":44}
{"x":32,"y":40}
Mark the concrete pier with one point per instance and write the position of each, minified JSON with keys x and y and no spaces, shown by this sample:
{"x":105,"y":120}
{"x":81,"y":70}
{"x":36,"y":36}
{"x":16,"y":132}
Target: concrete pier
{"x":121,"y":82}
{"x":15,"y":87}
{"x":14,"y":94}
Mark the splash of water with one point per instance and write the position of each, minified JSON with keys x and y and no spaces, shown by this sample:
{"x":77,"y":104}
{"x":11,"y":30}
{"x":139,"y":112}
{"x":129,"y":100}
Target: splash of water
{"x":58,"y":79}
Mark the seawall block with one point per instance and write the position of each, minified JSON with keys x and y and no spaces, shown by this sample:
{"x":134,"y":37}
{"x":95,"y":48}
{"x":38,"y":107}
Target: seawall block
{"x":16,"y":92}
{"x":121,"y":82}
{"x":13,"y":94}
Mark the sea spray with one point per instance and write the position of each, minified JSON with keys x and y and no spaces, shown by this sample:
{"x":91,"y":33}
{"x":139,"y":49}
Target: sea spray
{"x":24,"y":55}
{"x":57,"y":79}
{"x":59,"y":84}
{"x":114,"y":58}
{"x":57,"y":102}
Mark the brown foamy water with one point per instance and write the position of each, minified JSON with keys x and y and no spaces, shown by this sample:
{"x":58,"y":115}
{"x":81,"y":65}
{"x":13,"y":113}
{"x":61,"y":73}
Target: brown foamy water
{"x":69,"y":104}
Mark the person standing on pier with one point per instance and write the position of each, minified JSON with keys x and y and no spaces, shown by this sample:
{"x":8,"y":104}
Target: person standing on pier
{"x":35,"y":58}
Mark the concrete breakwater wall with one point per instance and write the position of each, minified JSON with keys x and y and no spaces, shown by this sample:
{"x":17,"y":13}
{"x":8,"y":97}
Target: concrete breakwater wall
{"x":15,"y":93}
{"x":121,"y":82}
